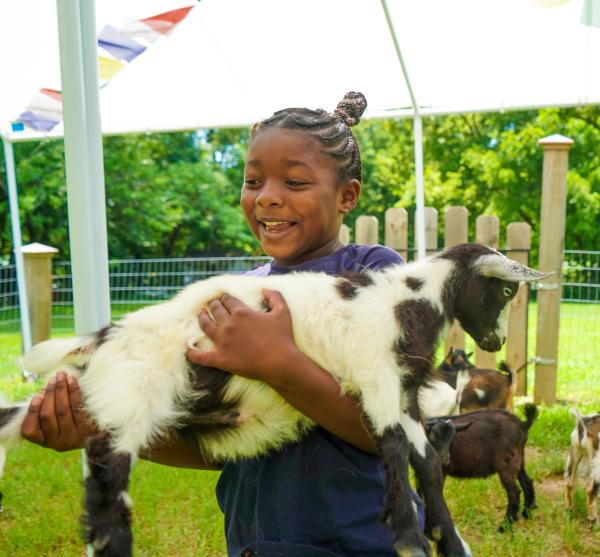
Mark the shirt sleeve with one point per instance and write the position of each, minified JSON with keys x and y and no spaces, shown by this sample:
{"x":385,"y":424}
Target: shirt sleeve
{"x":379,"y":257}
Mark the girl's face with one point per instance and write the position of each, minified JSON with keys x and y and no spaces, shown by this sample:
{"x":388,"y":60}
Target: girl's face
{"x":292,"y":196}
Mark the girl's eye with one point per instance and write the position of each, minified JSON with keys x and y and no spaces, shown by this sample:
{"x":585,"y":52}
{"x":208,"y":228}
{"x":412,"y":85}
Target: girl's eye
{"x":507,"y":291}
{"x":295,"y":183}
{"x":251,"y":182}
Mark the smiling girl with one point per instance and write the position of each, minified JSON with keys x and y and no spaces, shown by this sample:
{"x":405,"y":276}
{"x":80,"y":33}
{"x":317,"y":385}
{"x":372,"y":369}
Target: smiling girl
{"x":322,"y":496}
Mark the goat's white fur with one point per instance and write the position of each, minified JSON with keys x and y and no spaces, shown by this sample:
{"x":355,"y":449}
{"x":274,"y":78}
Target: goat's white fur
{"x":146,"y":361}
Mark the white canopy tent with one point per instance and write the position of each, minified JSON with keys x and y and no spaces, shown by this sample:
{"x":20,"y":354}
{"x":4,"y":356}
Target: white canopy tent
{"x":232,"y":62}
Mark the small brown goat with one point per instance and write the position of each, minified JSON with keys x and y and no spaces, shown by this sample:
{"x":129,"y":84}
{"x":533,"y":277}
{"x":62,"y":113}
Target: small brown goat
{"x":488,"y":442}
{"x":483,"y":388}
{"x":585,"y":450}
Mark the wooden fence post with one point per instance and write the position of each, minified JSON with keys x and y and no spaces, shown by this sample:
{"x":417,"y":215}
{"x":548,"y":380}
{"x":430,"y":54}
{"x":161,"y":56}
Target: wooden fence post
{"x":552,"y":238}
{"x":487,"y":233}
{"x":456,"y":231}
{"x":518,"y":243}
{"x":345,"y":234}
{"x":396,"y":231}
{"x":38,"y":278}
{"x":367,"y":230}
{"x":431,"y":230}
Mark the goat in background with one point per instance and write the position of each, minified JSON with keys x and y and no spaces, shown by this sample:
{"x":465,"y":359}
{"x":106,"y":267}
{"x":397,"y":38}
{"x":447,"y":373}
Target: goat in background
{"x":585,"y":452}
{"x":488,"y":442}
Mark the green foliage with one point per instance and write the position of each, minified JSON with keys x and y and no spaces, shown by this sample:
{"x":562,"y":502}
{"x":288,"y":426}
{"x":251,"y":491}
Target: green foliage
{"x":177,"y":194}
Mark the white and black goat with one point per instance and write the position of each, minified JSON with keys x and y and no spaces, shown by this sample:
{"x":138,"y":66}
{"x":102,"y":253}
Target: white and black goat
{"x":585,"y":451}
{"x":375,"y":332}
{"x":487,"y":442}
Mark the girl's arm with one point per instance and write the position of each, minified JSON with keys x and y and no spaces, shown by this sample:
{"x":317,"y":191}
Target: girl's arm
{"x":261,"y":346}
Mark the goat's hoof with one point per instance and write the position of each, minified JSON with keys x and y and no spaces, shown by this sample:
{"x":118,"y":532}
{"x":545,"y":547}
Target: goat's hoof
{"x":527,"y":513}
{"x":414,"y":545}
{"x":506,"y":526}
{"x":592,"y":523}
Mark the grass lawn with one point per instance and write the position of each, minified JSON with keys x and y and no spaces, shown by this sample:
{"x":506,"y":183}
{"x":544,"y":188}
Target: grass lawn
{"x":176,"y":515}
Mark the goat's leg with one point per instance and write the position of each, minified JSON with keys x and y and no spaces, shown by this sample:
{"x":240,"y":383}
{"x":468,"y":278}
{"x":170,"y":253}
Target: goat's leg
{"x":526,"y":484}
{"x":107,"y":518}
{"x":381,"y":404}
{"x":593,"y":491}
{"x":426,"y":462}
{"x":509,"y":482}
{"x":573,"y":460}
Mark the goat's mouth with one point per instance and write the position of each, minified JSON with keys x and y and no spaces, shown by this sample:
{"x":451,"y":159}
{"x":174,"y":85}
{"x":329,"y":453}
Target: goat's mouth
{"x":491,"y":343}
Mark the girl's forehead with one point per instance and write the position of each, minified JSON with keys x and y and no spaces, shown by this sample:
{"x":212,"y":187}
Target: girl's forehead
{"x":280,"y":144}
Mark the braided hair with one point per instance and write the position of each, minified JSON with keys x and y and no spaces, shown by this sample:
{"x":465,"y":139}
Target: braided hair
{"x":332,"y":130}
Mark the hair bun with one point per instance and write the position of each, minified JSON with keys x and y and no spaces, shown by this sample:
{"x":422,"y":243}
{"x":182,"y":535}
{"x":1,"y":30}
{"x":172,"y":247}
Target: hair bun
{"x":351,"y":108}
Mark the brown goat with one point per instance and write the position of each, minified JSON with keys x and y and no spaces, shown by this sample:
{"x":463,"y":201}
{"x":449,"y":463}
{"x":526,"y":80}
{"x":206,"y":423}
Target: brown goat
{"x":483,"y":388}
{"x":490,"y":442}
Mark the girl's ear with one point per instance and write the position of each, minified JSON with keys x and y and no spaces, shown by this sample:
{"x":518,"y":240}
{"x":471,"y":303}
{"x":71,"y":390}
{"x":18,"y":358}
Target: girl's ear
{"x":349,"y":194}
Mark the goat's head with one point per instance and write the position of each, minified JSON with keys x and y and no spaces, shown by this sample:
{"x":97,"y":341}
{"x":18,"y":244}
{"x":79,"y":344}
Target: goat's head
{"x":482,"y":286}
{"x":441,"y":432}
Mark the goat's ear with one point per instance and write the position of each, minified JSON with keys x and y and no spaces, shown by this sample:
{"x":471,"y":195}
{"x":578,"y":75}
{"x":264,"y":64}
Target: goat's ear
{"x":501,"y":267}
{"x":462,"y":427}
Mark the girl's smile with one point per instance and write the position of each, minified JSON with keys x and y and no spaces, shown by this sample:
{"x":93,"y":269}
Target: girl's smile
{"x":293,"y":198}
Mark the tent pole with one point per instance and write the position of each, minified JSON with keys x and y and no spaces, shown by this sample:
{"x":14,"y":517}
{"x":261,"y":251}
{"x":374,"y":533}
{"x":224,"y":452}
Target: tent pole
{"x":15,"y":222}
{"x":418,"y":141}
{"x":84,"y":164}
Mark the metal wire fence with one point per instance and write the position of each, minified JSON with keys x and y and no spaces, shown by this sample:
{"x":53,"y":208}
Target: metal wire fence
{"x":139,"y":282}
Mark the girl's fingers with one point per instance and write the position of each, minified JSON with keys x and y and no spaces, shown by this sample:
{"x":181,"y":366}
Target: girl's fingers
{"x":218,"y":310}
{"x":275,"y":300}
{"x":62,"y":406}
{"x":207,"y":325}
{"x":30,"y":428}
{"x":231,"y":303}
{"x":48,"y":421}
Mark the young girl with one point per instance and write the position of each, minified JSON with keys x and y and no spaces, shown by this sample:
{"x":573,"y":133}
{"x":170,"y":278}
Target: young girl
{"x":322,"y":496}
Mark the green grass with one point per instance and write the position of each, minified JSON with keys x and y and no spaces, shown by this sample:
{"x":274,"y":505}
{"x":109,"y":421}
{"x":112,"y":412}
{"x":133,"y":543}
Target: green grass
{"x":176,"y":515}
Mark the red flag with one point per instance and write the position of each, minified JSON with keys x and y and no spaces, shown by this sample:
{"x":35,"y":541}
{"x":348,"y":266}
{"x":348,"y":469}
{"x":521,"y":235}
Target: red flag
{"x":56,"y":95}
{"x":165,"y":23}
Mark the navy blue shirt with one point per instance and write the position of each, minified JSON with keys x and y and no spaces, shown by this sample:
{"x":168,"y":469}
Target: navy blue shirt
{"x":320,"y":497}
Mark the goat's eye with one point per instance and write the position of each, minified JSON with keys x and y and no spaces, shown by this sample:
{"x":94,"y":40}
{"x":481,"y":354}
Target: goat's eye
{"x":507,"y":291}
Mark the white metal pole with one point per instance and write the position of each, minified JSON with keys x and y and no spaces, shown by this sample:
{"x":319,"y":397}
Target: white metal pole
{"x":84,"y":164}
{"x":419,"y":187}
{"x":15,"y":223}
{"x":418,"y":141}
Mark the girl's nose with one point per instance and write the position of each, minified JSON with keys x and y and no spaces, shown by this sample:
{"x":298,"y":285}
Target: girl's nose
{"x":269,"y":195}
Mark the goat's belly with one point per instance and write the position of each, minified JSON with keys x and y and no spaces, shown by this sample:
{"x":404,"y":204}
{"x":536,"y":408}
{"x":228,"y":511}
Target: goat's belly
{"x":266,"y":422}
{"x":135,"y":384}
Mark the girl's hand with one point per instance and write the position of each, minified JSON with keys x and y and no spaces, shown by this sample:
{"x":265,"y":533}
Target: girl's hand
{"x":250,"y":343}
{"x":55,"y":418}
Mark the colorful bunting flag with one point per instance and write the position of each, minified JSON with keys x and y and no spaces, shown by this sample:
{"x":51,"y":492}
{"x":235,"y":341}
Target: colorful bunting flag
{"x":165,"y":23}
{"x":590,"y":14}
{"x":37,"y":122}
{"x":108,"y":67}
{"x":44,"y":111}
{"x":119,"y":45}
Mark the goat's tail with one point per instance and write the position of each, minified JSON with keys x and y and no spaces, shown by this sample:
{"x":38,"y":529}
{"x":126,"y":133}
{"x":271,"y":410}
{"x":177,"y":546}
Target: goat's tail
{"x":11,"y":418}
{"x":68,"y":354}
{"x":511,"y":375}
{"x":531,"y":413}
{"x":579,"y":422}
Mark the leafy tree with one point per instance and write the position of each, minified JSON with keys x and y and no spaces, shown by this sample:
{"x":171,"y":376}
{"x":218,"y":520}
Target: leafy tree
{"x":177,"y":194}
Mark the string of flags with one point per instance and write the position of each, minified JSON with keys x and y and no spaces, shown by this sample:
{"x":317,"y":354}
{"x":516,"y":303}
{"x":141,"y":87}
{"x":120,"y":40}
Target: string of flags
{"x":118,"y":48}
